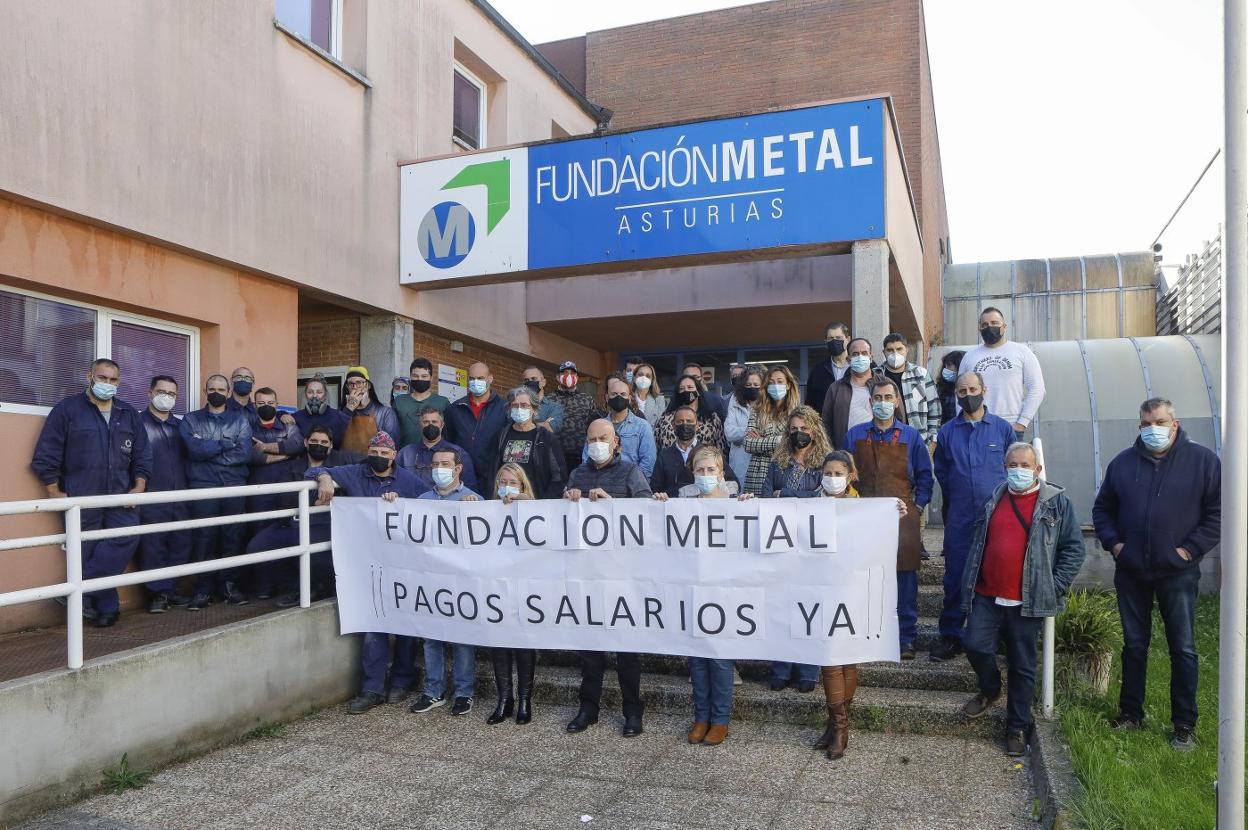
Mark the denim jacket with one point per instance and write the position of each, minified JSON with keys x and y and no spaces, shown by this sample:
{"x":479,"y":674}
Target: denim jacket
{"x":1054,"y":555}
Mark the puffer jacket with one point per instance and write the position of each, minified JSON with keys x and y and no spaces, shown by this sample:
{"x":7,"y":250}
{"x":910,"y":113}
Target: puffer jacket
{"x":218,"y":446}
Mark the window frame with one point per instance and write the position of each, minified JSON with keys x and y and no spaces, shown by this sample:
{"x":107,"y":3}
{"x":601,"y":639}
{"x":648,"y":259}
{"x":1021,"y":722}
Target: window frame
{"x":104,"y":319}
{"x":474,"y":79}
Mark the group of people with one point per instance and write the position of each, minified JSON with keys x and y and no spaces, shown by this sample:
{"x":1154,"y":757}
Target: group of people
{"x":885,"y":429}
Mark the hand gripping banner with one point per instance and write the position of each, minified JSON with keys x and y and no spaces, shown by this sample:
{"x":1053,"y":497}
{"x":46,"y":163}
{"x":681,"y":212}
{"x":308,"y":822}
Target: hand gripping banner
{"x":799,"y":580}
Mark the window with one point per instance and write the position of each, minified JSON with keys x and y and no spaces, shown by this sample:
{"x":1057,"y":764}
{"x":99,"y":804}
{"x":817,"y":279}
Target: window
{"x":317,"y":21}
{"x":47,"y":345}
{"x":469,"y":109}
{"x":334,"y":377}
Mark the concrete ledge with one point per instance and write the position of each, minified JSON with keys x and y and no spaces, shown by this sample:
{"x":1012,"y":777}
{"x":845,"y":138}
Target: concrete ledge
{"x":165,"y":702}
{"x":1052,"y":777}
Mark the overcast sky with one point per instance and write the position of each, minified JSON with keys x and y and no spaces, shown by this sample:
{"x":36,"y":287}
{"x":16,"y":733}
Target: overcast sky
{"x":1066,"y":127}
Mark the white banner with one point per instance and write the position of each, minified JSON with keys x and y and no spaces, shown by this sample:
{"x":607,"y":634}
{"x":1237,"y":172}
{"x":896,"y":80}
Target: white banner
{"x":800,"y":580}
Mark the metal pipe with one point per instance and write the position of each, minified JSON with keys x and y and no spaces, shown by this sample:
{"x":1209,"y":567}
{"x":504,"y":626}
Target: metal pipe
{"x":73,"y":576}
{"x":1048,"y":683}
{"x":1234,"y":599}
{"x":305,"y":558}
{"x":11,"y":508}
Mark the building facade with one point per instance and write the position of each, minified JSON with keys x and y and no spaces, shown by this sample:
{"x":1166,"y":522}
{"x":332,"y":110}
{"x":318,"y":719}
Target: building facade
{"x":1190,"y":302}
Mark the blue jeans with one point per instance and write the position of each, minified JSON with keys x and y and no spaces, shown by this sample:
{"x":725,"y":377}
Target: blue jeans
{"x":465,"y":669}
{"x":107,"y":557}
{"x":988,"y":622}
{"x":907,"y":607}
{"x":1176,"y":599}
{"x":712,"y":690}
{"x":784,"y":671}
{"x":375,"y":659}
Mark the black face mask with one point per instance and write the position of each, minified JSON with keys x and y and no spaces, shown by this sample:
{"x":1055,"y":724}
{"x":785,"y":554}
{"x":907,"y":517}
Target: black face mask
{"x":686,"y":397}
{"x":431,"y":432}
{"x":318,"y":452}
{"x":750,"y":393}
{"x":379,"y":464}
{"x":685,"y":432}
{"x":971,"y":403}
{"x":421,"y":386}
{"x":836,"y":348}
{"x":216,"y":399}
{"x":618,"y":403}
{"x":991,"y":335}
{"x":797,"y":440}
{"x":534,"y":386}
{"x":266,"y":412}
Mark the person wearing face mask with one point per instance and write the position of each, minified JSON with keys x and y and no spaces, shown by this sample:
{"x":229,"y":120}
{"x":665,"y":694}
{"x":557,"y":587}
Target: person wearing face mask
{"x":636,"y":438}
{"x":671,"y":468}
{"x":1158,"y":512}
{"x":946,"y":383}
{"x":710,"y":428}
{"x":94,"y":444}
{"x":969,"y":463}
{"x":173,"y":547}
{"x":524,"y":444}
{"x":709,"y":401}
{"x":824,"y":373}
{"x":607,"y":476}
{"x":317,"y":411}
{"x":277,"y":446}
{"x":475,"y":421}
{"x":630,"y":369}
{"x":1027,"y":550}
{"x":377,"y":477}
{"x":769,"y":419}
{"x":848,"y":401}
{"x":420,"y":396}
{"x":398,"y":389}
{"x":549,"y":413}
{"x":650,"y":401}
{"x":1010,"y":369}
{"x":366,"y":414}
{"x":218,"y":446}
{"x":747,"y":389}
{"x":417,"y":458}
{"x":893,"y":462}
{"x":578,"y":411}
{"x":242,"y":381}
{"x":918,"y":390}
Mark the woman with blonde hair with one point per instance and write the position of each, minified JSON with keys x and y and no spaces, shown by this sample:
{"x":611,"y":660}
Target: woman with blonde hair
{"x":769,"y":417}
{"x":510,"y":484}
{"x":647,"y":396}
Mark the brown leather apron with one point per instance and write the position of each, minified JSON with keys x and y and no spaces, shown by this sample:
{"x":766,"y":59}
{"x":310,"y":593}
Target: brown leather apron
{"x":359,"y":432}
{"x":882,"y":473}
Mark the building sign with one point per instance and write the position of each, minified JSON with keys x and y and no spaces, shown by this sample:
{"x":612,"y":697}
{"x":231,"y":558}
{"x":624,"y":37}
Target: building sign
{"x":452,"y":382}
{"x":797,"y":177}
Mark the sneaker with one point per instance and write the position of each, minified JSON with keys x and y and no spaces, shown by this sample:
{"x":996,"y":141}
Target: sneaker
{"x":158,"y":605}
{"x":288,"y":600}
{"x":462,"y":706}
{"x":178,"y":600}
{"x":1015,"y":743}
{"x":949,"y":648}
{"x":200,"y":600}
{"x":232,"y":595}
{"x":424,"y":703}
{"x":806,"y":686}
{"x":264,"y":593}
{"x":1122,"y":723}
{"x":978,"y":705}
{"x":398,"y":694}
{"x":1183,"y":739}
{"x":779,"y":685}
{"x":365,"y":701}
{"x":907,"y":651}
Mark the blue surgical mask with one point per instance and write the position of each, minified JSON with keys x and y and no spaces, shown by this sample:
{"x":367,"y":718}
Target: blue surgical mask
{"x":477,"y":386}
{"x":706,"y":484}
{"x":777,"y":391}
{"x":628,"y":376}
{"x":505,"y":490}
{"x":520,"y":415}
{"x":103,"y":391}
{"x":1020,"y":478}
{"x":1156,"y":438}
{"x":948,"y":374}
{"x":883,"y":410}
{"x":859,"y":363}
{"x":443,"y":476}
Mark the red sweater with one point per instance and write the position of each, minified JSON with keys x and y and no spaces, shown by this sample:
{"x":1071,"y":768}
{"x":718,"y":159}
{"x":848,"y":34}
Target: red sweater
{"x":1001,"y":570}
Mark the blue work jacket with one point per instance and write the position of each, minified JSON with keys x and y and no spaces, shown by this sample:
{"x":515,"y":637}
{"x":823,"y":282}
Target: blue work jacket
{"x":218,"y":446}
{"x":970,"y":462}
{"x":88,"y":455}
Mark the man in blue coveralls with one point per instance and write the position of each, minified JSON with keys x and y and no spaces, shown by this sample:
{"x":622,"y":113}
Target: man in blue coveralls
{"x":94,"y":444}
{"x":173,"y":547}
{"x":378,"y":476}
{"x":276,"y":451}
{"x":970,"y":464}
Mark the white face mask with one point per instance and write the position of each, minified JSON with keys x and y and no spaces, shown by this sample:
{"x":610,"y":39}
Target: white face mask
{"x":895,"y":359}
{"x":642,"y":382}
{"x":835,"y":485}
{"x":599,"y":451}
{"x":164,"y":403}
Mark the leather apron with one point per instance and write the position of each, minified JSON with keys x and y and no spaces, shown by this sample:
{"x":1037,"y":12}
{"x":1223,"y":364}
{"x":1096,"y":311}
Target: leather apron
{"x":359,"y":432}
{"x":883,"y":473}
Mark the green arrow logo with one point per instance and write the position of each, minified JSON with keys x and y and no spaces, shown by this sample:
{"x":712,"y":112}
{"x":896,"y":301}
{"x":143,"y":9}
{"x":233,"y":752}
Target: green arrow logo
{"x":496,"y":176}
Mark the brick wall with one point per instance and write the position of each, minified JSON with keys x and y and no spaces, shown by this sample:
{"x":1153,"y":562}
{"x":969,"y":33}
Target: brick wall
{"x":334,"y":342}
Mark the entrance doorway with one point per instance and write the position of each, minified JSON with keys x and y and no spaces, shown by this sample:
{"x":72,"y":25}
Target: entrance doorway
{"x":717,"y":363}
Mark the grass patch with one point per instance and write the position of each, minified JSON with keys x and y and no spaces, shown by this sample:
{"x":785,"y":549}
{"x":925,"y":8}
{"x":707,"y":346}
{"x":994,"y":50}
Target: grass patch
{"x":269,"y":731}
{"x":1134,"y":780}
{"x":123,"y":777}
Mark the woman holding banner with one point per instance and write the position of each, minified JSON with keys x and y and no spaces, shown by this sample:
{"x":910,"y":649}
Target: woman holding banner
{"x":511,"y":483}
{"x":712,"y":679}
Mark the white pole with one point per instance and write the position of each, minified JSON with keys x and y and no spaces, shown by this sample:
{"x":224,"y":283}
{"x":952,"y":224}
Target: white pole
{"x":1048,"y":683}
{"x":305,"y":558}
{"x":1234,"y":598}
{"x":73,"y":575}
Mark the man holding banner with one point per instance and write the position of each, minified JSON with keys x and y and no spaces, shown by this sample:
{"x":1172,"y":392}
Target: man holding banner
{"x":607,"y":476}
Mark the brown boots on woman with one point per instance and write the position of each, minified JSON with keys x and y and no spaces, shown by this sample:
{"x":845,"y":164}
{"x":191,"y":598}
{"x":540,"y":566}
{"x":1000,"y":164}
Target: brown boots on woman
{"x":839,"y":685}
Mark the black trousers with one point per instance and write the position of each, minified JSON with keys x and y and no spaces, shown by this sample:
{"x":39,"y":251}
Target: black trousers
{"x":627,"y":669}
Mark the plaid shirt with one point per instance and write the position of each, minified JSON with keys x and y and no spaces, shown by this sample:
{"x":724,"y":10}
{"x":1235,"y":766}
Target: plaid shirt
{"x":918,"y":390}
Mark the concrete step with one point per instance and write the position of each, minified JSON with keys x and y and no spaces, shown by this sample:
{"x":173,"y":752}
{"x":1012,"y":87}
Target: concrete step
{"x":927,"y":712}
{"x":931,"y":600}
{"x":932,"y":572}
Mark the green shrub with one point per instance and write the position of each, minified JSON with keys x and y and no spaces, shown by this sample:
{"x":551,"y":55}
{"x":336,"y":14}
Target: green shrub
{"x":1088,"y":633}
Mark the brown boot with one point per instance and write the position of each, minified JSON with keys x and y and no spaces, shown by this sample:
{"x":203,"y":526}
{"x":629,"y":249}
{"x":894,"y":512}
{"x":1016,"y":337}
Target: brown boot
{"x":698,"y":732}
{"x":834,"y":692}
{"x":716,"y":734}
{"x":840,"y":737}
{"x":851,"y":686}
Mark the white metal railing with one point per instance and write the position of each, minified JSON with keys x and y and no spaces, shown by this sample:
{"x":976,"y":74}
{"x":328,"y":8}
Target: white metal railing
{"x":75,"y":586}
{"x":1050,"y":623}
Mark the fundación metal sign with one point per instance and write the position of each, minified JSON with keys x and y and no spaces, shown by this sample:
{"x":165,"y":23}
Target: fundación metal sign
{"x":796,"y":177}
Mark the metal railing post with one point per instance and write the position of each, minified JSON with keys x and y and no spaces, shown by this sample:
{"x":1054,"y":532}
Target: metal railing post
{"x":1047,"y":681}
{"x":73,"y":575}
{"x":305,"y":557}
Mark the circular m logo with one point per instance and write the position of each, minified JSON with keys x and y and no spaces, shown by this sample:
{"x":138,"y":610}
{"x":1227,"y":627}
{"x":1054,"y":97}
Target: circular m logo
{"x":446,"y":234}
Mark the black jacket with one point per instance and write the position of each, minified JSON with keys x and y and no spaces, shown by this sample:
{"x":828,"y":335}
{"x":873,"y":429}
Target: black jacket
{"x":1155,"y":505}
{"x":671,"y":472}
{"x":545,"y":464}
{"x":817,"y":383}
